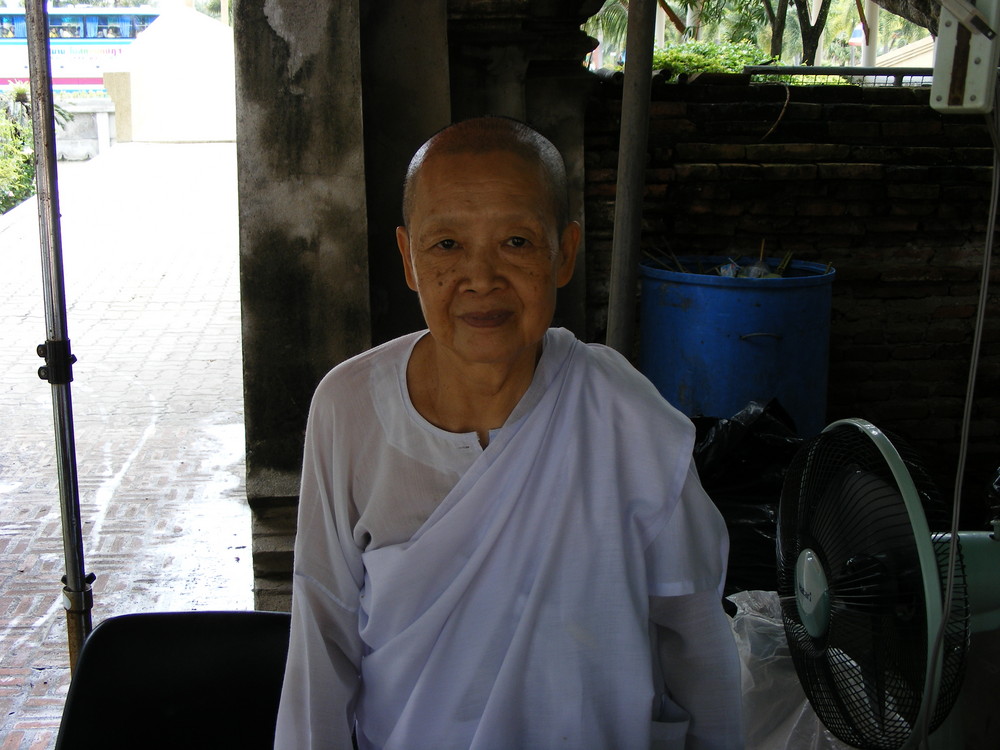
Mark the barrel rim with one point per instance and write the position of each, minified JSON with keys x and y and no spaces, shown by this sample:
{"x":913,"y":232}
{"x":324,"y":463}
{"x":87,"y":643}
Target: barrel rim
{"x":819,"y":275}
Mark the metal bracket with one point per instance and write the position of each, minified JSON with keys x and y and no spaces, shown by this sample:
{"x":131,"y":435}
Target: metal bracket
{"x":966,"y":55}
{"x":58,"y":367}
{"x":969,"y":16}
{"x":79,"y":601}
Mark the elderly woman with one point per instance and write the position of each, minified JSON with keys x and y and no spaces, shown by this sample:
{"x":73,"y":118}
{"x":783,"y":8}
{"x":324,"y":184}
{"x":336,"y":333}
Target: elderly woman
{"x":502,"y":541}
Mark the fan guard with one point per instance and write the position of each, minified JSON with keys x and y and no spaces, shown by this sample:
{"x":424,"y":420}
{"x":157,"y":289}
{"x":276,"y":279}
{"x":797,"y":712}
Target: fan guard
{"x":861,"y":583}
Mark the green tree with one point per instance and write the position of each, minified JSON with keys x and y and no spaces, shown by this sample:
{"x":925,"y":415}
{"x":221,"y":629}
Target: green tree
{"x":17,"y":163}
{"x":764,"y":23}
{"x":777,"y":15}
{"x":732,"y":20}
{"x":811,"y":30}
{"x":609,"y":27}
{"x":893,"y":32}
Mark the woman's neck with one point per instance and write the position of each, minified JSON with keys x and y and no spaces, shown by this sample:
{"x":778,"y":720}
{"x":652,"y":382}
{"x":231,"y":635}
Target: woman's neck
{"x":465,"y":397}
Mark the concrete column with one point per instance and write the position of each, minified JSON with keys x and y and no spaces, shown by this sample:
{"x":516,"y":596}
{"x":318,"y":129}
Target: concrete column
{"x":406,"y":100}
{"x":556,"y":105}
{"x":119,"y":87}
{"x":814,"y":8}
{"x":303,"y":241}
{"x":531,"y":67}
{"x":507,"y":68}
{"x":869,"y":52}
{"x":693,"y":23}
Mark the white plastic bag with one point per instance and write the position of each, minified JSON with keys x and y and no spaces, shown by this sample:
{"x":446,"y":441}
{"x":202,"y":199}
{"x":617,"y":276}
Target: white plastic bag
{"x":776,"y":713}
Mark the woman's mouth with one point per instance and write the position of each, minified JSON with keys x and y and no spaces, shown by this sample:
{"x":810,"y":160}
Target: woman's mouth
{"x":486,"y":319}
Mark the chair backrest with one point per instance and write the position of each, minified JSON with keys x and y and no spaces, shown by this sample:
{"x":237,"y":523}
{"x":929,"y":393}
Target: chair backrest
{"x":180,"y":680}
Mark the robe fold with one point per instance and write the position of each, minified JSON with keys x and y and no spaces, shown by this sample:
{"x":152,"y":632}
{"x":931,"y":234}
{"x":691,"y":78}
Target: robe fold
{"x":516,"y":616}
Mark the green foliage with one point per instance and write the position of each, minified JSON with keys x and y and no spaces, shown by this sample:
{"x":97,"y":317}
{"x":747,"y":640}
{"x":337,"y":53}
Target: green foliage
{"x":17,"y":163}
{"x":893,"y":32}
{"x":609,"y":26}
{"x":734,"y":20}
{"x":731,"y":20}
{"x":708,"y":57}
{"x":211,"y":8}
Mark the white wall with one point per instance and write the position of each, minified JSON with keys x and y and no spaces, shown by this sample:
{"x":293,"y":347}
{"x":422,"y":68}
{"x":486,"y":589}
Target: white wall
{"x":182,"y":73}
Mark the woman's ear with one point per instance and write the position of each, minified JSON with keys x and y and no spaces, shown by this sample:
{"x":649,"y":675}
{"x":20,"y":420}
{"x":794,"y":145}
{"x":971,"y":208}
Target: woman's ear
{"x":569,"y":244}
{"x":403,"y":242}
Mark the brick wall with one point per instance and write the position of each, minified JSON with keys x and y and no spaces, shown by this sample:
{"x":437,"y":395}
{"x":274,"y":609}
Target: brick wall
{"x":874,"y":181}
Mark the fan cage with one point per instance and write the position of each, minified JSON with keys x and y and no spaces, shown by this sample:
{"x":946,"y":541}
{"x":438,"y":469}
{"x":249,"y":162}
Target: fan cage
{"x":956,"y":636}
{"x":865,"y":674}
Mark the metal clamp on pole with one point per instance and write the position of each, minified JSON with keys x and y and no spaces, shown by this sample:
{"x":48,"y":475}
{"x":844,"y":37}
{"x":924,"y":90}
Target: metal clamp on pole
{"x":82,"y":600}
{"x":78,"y":604}
{"x":59,"y":361}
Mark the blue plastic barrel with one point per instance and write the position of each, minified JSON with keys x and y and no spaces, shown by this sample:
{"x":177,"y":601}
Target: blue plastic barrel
{"x":713,"y":343}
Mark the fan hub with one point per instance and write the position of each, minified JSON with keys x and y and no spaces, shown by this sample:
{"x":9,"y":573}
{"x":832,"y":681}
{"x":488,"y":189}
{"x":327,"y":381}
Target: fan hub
{"x":812,"y":593}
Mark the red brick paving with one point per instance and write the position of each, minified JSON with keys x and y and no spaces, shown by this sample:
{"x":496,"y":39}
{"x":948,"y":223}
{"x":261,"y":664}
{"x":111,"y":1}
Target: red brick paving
{"x":150,"y":245}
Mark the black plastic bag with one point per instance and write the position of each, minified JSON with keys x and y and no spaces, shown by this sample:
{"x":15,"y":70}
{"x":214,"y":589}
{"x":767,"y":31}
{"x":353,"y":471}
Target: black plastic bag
{"x":742,"y":463}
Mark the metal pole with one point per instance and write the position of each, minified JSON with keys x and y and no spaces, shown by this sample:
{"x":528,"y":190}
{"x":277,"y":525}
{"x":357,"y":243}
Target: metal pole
{"x":631,"y":174}
{"x":58,"y":368}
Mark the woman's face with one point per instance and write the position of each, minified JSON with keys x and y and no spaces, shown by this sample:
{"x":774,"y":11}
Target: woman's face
{"x":485,"y":255}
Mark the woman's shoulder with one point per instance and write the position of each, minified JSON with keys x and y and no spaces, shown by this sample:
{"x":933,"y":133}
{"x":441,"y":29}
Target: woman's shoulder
{"x":607,"y":364}
{"x":610,"y":377}
{"x":354,"y":377}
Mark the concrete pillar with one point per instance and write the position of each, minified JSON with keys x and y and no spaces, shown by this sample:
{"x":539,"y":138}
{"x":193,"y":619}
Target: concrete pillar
{"x":814,"y":8}
{"x":556,"y":106}
{"x":119,"y":87}
{"x":869,"y":51}
{"x":303,"y":242}
{"x":692,"y":23}
{"x":407,"y":99}
{"x":527,"y":62}
{"x":508,"y":68}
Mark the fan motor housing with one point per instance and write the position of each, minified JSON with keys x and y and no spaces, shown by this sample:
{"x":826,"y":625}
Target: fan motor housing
{"x":812,"y":593}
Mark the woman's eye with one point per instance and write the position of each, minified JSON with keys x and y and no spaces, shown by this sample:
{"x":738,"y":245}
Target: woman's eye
{"x":517,"y":241}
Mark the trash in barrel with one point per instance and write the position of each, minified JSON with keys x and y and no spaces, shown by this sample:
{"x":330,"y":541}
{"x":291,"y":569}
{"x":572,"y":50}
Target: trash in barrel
{"x":711,"y":343}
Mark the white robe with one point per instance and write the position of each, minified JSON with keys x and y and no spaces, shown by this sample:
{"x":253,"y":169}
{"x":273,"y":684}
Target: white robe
{"x":514,"y":611}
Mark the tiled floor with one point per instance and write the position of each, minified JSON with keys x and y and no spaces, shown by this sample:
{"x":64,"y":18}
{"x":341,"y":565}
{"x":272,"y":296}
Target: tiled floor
{"x":151,"y":264}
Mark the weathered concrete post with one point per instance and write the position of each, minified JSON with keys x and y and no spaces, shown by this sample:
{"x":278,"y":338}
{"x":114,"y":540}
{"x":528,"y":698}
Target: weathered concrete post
{"x":406,"y":100}
{"x":303,"y":241}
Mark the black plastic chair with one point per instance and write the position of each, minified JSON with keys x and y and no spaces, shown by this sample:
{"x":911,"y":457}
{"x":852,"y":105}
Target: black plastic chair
{"x":179,"y":680}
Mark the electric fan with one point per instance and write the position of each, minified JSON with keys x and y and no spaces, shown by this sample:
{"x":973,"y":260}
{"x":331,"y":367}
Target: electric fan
{"x":862,"y":584}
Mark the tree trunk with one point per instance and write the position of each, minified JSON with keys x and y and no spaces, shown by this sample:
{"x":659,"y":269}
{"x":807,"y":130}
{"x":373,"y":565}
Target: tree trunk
{"x":811,"y":32}
{"x":675,"y":19}
{"x":776,"y":20}
{"x":921,"y":12}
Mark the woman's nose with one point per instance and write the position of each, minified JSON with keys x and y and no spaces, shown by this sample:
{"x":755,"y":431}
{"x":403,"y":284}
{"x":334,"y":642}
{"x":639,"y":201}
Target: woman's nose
{"x":482,"y":270}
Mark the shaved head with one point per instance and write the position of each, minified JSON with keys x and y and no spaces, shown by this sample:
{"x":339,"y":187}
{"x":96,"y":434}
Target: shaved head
{"x":491,"y":134}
